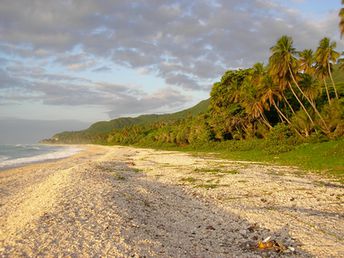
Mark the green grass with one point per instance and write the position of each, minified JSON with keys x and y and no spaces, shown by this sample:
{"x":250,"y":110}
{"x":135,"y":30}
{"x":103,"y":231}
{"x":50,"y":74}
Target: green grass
{"x":119,"y":176}
{"x":207,"y":186}
{"x":190,"y":180}
{"x":215,"y":171}
{"x":326,"y":158}
{"x":136,"y":170}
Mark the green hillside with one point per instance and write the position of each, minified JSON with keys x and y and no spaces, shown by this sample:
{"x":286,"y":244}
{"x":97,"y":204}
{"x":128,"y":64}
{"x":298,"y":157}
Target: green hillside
{"x":99,"y":129}
{"x":118,"y":123}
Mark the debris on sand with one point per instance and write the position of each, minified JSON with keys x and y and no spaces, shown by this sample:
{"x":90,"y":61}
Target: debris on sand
{"x":269,"y":244}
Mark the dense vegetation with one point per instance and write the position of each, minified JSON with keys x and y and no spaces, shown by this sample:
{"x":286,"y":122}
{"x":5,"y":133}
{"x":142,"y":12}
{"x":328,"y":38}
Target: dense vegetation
{"x":98,"y":132}
{"x":296,"y":98}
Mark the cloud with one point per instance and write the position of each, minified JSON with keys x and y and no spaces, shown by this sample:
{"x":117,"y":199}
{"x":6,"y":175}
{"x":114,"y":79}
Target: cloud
{"x":141,"y":34}
{"x":182,"y":80}
{"x":63,"y":90}
{"x":76,"y":62}
{"x":188,"y":44}
{"x":160,"y":101}
{"x":102,"y":69}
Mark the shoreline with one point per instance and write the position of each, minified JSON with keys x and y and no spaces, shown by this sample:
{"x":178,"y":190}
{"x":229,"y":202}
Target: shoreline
{"x":123,"y":201}
{"x":44,"y":157}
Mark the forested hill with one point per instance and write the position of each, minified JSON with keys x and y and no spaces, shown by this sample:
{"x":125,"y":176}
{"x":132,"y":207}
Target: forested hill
{"x":98,"y":130}
{"x":118,"y":123}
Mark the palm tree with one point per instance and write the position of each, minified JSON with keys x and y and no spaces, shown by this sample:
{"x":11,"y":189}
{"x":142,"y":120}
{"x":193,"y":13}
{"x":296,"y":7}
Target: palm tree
{"x":270,"y":92}
{"x":282,"y":65}
{"x":325,"y":56}
{"x":311,"y":87}
{"x":253,"y":102}
{"x":306,"y":61}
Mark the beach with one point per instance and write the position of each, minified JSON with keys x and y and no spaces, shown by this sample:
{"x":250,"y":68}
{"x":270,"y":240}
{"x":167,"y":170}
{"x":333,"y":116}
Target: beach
{"x":131,"y":202}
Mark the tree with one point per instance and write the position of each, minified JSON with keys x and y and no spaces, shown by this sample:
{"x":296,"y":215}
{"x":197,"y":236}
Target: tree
{"x":252,"y":99}
{"x":311,"y":87}
{"x":282,"y":65}
{"x":306,"y":61}
{"x":325,"y":56}
{"x":270,"y":93}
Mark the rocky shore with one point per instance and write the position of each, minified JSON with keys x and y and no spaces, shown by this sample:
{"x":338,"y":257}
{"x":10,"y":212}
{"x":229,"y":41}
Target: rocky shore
{"x":129,"y":202}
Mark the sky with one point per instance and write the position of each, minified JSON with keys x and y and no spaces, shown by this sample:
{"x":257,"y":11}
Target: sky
{"x":91,"y":60}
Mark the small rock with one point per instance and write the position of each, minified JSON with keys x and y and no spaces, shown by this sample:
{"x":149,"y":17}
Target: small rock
{"x":252,"y":227}
{"x":291,"y":248}
{"x":264,"y":200}
{"x":210,"y":227}
{"x":292,"y":199}
{"x":243,"y":232}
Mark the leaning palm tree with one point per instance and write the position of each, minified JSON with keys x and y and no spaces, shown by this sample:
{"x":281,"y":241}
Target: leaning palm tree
{"x":271,"y":94}
{"x":322,"y":74}
{"x":252,"y":100}
{"x":325,"y":56}
{"x":311,"y":87}
{"x":283,"y":63}
{"x":306,"y":61}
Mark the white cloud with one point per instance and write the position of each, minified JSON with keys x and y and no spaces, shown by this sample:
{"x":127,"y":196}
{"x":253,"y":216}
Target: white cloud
{"x":187,"y":43}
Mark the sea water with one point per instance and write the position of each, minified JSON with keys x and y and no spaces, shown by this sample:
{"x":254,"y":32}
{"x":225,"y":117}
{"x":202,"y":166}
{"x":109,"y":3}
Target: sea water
{"x":21,"y":154}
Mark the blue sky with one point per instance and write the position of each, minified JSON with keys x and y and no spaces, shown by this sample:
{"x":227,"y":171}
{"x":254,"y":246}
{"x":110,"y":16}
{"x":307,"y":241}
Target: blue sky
{"x":314,"y":7}
{"x":97,"y":60}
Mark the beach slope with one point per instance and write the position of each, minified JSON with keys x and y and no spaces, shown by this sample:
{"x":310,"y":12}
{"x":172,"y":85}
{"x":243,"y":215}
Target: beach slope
{"x":123,"y":201}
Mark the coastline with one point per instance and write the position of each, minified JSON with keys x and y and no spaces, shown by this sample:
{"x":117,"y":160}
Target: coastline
{"x":121,"y":201}
{"x":41,"y":158}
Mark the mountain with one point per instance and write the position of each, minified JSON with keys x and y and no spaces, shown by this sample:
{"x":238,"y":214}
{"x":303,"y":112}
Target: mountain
{"x":118,"y":123}
{"x":103,"y":127}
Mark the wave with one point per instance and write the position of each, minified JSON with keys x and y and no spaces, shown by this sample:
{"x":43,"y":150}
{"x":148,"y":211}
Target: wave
{"x":3,"y":157}
{"x":38,"y":158}
{"x":27,"y":146}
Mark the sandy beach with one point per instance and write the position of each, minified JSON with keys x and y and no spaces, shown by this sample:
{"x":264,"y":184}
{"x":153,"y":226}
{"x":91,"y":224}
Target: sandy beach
{"x":131,"y":202}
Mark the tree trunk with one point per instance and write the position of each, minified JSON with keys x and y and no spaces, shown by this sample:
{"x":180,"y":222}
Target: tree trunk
{"x":281,"y":113}
{"x":327,"y":93}
{"x":280,"y":117}
{"x":265,"y":119}
{"x":303,"y":107}
{"x":334,"y":86}
{"x":286,"y":100}
{"x":310,"y":102}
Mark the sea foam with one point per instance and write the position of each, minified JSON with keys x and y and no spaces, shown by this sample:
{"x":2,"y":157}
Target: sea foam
{"x":59,"y":154}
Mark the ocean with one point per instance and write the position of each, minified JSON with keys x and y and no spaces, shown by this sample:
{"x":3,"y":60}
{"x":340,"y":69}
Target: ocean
{"x":22,"y":154}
